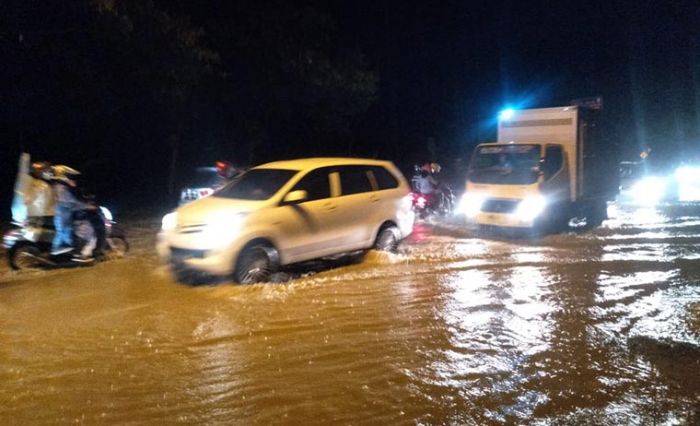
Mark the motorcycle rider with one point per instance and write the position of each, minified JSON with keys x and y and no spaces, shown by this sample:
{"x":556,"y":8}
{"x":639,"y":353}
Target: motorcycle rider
{"x":66,"y":204}
{"x":437,"y":195}
{"x":33,"y":202}
{"x":425,"y":181}
{"x":39,"y":195}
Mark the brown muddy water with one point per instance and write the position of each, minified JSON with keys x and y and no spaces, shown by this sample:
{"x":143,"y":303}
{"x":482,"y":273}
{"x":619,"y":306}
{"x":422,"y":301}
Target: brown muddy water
{"x":594,"y":328}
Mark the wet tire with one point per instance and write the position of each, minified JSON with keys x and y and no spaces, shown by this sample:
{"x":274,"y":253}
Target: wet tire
{"x":256,"y":264}
{"x":184,"y":275}
{"x":118,"y":247}
{"x":387,"y":239}
{"x":25,"y":257}
{"x":595,"y":213}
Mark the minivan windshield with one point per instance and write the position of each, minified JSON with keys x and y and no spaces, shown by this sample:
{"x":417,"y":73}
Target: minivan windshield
{"x":505,"y":164}
{"x":256,"y":184}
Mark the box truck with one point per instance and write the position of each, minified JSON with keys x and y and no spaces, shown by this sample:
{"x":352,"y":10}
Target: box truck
{"x":547,"y":167}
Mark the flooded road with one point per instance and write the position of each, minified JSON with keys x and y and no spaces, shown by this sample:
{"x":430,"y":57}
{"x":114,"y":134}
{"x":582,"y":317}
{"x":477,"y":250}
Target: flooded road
{"x":596,"y":328}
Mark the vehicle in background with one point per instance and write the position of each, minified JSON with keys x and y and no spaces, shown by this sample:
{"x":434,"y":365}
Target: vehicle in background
{"x":548,"y":166}
{"x":631,"y":172}
{"x":687,"y":178}
{"x":287,"y":212}
{"x":205,"y":180}
{"x":644,"y":185}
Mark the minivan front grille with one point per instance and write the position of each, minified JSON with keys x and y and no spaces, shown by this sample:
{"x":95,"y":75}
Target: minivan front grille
{"x":191,"y":229}
{"x":180,"y":254}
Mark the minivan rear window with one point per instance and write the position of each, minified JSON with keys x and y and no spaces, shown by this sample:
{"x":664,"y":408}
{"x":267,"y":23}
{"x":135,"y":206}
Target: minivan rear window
{"x":354,"y":180}
{"x":385,"y":180}
{"x":256,"y":184}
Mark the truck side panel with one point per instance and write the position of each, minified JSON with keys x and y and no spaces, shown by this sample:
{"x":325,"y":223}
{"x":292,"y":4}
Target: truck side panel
{"x":597,"y":177}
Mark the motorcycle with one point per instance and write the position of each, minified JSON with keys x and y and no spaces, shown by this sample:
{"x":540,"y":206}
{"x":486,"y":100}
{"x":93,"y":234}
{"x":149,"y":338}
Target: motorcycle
{"x":440,"y":203}
{"x":29,"y":245}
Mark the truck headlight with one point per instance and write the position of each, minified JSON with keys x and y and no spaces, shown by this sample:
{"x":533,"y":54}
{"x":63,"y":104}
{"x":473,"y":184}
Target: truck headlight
{"x":470,"y":204}
{"x":169,"y":221}
{"x":531,"y":207}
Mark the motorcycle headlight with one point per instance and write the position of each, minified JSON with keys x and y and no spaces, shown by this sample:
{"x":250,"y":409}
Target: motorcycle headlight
{"x":106,"y":213}
{"x":470,"y":204}
{"x":169,"y":221}
{"x":531,"y":207}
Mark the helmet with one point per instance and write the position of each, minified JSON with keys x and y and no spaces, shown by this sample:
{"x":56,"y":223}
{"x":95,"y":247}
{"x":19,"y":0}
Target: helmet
{"x":225,"y":169}
{"x":64,"y":173}
{"x":41,"y":170}
{"x":431,"y":167}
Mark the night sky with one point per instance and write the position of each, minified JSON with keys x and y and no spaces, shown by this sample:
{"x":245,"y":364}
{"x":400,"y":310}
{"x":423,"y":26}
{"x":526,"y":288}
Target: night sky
{"x":137,"y":93}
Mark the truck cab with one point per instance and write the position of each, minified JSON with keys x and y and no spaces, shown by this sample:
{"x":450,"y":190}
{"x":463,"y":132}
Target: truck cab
{"x":513,"y":184}
{"x":546,"y":168}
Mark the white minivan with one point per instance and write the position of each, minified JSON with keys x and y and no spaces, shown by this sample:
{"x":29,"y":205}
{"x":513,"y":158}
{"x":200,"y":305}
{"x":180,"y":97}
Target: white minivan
{"x":286,"y":212}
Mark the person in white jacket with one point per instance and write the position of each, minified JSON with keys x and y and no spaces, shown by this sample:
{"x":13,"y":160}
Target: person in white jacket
{"x":34,"y":200}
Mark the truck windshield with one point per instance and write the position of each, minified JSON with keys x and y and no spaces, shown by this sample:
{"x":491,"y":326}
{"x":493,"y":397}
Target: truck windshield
{"x":506,"y":164}
{"x":256,"y":184}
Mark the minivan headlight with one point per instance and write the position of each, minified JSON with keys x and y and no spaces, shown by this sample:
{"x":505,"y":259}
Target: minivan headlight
{"x":531,"y":207}
{"x":220,"y":230}
{"x":169,"y":221}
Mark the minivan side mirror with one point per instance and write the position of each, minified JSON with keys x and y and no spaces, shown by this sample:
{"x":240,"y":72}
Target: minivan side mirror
{"x":295,"y":197}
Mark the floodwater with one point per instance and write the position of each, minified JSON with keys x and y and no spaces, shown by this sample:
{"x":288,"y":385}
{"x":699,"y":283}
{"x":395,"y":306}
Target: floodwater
{"x":595,"y":328}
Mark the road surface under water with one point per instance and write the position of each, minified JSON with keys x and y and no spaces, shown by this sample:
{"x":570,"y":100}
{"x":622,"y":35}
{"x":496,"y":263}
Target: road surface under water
{"x":599,"y":327}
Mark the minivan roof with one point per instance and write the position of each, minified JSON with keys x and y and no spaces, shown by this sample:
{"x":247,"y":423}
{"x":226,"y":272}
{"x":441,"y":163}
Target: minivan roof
{"x":309,"y":163}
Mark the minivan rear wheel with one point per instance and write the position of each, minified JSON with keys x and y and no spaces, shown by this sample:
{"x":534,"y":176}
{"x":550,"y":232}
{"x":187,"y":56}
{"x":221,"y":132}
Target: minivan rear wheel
{"x":387,"y":239}
{"x":255,"y":264}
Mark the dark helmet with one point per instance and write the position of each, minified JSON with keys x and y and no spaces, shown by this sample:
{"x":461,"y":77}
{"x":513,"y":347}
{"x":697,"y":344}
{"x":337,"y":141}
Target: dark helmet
{"x":40,"y":170}
{"x":225,"y":169}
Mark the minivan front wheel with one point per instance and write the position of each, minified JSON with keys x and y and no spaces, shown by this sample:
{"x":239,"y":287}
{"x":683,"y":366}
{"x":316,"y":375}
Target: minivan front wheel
{"x":255,"y":264}
{"x":387,"y":239}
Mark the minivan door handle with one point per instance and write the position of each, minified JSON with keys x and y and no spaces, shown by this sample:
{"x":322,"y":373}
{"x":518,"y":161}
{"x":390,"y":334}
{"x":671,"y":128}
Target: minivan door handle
{"x":329,"y":207}
{"x":374,"y":198}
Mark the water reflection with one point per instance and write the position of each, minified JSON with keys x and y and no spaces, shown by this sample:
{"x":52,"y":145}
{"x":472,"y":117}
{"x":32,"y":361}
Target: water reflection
{"x":582,"y":328}
{"x":497,"y":319}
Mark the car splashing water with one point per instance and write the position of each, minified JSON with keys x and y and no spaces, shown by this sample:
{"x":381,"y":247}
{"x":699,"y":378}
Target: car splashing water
{"x":599,"y":326}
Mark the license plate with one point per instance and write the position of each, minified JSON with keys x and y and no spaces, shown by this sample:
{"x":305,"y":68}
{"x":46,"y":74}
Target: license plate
{"x":495,"y":219}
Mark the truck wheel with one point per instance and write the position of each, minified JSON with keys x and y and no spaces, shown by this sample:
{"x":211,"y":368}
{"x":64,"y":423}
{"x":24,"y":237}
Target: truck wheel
{"x":596,"y":213}
{"x":256,"y":263}
{"x":559,"y":215}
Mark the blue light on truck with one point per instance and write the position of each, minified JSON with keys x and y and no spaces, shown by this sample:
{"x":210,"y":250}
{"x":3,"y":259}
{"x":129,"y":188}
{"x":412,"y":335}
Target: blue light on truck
{"x":506,"y":114}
